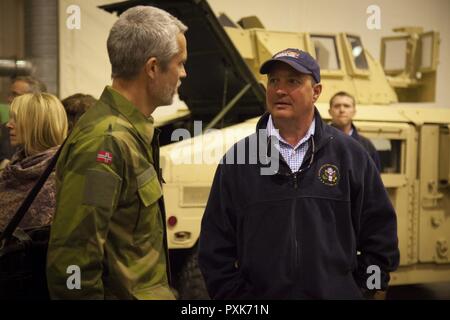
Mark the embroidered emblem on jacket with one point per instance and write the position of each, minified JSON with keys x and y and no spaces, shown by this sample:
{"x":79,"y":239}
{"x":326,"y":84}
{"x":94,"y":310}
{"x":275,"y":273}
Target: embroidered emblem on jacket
{"x":105,"y":157}
{"x":329,"y":174}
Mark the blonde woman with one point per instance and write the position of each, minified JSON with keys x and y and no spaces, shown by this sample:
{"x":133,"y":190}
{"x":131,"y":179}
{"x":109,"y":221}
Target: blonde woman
{"x":37,"y":126}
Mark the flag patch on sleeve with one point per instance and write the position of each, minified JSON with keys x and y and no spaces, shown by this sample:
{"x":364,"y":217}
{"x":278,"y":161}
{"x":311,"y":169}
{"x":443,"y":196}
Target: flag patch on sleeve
{"x":104,"y":157}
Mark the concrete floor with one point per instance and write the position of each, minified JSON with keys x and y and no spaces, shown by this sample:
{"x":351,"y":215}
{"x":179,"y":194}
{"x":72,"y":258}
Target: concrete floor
{"x":435,"y":291}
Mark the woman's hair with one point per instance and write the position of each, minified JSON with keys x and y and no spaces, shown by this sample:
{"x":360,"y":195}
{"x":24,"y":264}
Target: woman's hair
{"x":40,"y":121}
{"x":76,"y":105}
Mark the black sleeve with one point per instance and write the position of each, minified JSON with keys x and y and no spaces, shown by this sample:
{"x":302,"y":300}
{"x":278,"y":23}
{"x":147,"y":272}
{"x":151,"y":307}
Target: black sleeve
{"x":377,"y":237}
{"x":218,"y":258}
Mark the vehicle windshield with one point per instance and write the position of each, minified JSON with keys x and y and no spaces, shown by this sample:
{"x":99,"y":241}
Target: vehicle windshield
{"x":326,"y":52}
{"x":427,"y":51}
{"x":389,"y":151}
{"x":395,"y":54}
{"x":358,"y":52}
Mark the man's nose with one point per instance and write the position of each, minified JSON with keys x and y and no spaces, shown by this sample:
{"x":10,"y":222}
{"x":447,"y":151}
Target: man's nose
{"x":281,"y":91}
{"x":183,"y":73}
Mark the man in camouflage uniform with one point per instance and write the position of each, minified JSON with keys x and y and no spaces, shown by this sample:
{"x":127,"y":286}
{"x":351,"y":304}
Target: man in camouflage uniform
{"x":109,"y":229}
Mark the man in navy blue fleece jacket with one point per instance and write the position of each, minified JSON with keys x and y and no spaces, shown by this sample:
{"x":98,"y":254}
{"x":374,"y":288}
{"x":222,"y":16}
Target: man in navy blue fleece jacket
{"x":342,"y":110}
{"x":314,"y":225}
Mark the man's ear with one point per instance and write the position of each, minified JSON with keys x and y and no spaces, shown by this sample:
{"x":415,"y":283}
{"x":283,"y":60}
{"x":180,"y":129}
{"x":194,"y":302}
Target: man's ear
{"x":317,"y":91}
{"x":151,"y":67}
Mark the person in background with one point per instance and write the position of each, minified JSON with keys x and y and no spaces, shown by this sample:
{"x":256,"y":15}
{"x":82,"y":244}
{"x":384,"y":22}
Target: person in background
{"x":19,"y":85}
{"x":25,"y":84}
{"x":342,"y":110}
{"x":37,"y":127}
{"x":76,"y":105}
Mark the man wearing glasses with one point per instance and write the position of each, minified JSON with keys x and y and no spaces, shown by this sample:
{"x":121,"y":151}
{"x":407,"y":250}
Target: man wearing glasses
{"x":320,"y":226}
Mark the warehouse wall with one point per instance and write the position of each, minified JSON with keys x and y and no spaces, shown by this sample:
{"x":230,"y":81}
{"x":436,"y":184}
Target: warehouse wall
{"x":84,"y":64}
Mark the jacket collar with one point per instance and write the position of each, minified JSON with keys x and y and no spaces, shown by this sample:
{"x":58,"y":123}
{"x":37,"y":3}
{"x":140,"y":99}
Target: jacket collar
{"x":321,"y":134}
{"x":143,"y":126}
{"x":355,"y":133}
{"x":321,"y":137}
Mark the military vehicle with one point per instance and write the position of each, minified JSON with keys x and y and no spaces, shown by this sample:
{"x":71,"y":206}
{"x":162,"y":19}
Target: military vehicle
{"x":225,"y":92}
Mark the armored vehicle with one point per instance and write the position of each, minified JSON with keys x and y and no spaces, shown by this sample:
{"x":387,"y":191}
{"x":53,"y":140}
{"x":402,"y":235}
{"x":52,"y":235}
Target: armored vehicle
{"x":226,"y":95}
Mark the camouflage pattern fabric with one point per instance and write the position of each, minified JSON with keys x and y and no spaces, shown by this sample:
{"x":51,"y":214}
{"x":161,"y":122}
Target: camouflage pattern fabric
{"x":108,"y":221}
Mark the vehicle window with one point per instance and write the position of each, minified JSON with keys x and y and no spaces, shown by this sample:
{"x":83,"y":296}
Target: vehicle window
{"x":390,"y":154}
{"x":427,"y":51}
{"x":395,"y":54}
{"x":326,"y":52}
{"x":444,"y":156}
{"x":358,"y":52}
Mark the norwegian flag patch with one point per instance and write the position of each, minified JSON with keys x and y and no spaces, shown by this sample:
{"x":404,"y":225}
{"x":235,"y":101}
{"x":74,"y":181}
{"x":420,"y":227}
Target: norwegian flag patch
{"x":104,"y":157}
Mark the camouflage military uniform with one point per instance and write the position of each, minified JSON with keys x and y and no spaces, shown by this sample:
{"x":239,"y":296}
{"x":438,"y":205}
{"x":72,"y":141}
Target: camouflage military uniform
{"x":108,"y":219}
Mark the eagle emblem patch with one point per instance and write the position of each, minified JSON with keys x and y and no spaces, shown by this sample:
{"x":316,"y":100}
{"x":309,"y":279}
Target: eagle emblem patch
{"x":329,"y":175}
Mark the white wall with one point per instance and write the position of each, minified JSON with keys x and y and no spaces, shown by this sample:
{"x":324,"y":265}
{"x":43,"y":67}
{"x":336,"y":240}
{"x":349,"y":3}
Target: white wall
{"x":84,"y":64}
{"x":85,"y":67}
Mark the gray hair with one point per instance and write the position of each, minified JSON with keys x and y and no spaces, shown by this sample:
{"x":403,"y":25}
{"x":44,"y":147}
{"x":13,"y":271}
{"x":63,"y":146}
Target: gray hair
{"x":36,"y":85}
{"x":140,"y":33}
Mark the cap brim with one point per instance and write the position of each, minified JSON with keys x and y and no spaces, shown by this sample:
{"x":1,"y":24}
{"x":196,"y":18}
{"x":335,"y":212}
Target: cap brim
{"x":266,"y":66}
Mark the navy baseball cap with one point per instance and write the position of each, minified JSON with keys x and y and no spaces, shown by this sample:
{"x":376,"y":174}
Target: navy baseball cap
{"x":297,"y":59}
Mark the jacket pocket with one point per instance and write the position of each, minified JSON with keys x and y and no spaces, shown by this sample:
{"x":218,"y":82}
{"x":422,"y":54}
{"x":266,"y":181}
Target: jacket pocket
{"x":268,"y":249}
{"x":149,"y":188}
{"x":149,"y":220}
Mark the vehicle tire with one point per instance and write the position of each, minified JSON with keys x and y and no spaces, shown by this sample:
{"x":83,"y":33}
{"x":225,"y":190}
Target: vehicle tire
{"x":190,"y":282}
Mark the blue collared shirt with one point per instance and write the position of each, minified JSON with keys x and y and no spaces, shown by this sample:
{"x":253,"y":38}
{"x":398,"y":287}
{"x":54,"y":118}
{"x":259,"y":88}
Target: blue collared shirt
{"x":292,"y":155}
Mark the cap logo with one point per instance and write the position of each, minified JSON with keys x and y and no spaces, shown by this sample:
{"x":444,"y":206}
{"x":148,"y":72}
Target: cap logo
{"x":287,"y":53}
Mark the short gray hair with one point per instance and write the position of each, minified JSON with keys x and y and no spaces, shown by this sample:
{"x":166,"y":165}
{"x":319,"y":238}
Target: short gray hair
{"x":36,"y":85}
{"x":140,"y":33}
